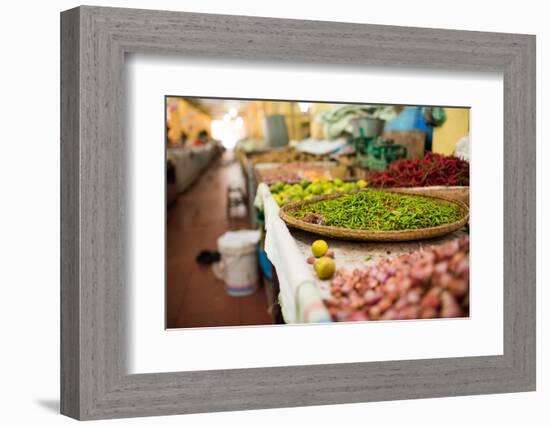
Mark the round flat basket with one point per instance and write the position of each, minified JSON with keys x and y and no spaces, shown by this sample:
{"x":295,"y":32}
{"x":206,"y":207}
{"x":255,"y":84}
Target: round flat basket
{"x":370,"y":235}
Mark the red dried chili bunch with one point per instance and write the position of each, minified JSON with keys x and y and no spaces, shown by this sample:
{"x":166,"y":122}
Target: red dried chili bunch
{"x":433,"y":169}
{"x":429,"y":283}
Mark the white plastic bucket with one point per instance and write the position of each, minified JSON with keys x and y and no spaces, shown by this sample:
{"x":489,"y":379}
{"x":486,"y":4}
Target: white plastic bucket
{"x":238,"y":266}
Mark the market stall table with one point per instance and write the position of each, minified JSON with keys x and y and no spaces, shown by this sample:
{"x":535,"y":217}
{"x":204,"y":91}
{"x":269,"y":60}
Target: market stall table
{"x":301,"y":293}
{"x":189,"y":162}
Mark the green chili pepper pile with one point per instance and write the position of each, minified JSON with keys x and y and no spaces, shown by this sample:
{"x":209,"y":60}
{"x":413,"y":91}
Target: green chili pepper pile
{"x":379,"y":211}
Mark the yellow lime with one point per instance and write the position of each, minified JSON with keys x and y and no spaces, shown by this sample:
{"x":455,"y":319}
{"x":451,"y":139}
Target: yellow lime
{"x":361,"y":183}
{"x":325,"y":267}
{"x":319,"y":248}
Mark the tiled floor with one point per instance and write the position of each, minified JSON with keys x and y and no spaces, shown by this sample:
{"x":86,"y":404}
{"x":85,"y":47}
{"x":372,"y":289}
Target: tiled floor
{"x":195,"y":298}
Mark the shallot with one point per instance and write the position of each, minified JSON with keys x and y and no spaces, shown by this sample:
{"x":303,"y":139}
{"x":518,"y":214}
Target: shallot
{"x":429,"y":283}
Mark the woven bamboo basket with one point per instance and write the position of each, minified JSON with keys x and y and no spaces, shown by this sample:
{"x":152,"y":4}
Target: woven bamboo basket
{"x":368,"y":235}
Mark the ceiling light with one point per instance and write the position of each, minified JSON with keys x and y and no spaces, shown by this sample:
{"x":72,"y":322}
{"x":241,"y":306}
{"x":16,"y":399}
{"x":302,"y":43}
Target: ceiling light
{"x":304,"y":106}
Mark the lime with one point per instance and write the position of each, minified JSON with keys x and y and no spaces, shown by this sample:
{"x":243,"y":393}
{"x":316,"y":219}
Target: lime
{"x":325,"y":267}
{"x":319,"y":248}
{"x":296,"y":190}
{"x":316,"y":188}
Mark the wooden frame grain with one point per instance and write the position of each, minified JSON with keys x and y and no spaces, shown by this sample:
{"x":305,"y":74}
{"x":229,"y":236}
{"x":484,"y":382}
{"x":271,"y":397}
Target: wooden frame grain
{"x":94,"y":41}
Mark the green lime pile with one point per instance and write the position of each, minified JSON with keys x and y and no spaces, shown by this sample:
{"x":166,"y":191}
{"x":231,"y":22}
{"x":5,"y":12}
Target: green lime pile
{"x":305,"y":190}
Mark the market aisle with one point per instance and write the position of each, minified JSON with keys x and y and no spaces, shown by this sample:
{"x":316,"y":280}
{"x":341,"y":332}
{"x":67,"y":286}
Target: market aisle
{"x":195,"y":298}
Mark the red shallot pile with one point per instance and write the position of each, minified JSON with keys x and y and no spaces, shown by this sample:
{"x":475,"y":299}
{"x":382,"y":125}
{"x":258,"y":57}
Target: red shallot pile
{"x":428,"y":283}
{"x":434,"y":169}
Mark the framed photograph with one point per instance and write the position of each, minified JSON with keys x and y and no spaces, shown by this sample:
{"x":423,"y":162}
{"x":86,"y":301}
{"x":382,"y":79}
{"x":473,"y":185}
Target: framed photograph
{"x":261,"y":213}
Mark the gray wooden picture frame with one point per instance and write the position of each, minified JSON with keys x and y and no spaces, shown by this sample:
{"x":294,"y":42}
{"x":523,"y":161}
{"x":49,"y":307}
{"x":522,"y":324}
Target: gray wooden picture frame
{"x":94,"y":381}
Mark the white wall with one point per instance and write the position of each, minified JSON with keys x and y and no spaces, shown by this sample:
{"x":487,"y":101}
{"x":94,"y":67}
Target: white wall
{"x":29,"y":224}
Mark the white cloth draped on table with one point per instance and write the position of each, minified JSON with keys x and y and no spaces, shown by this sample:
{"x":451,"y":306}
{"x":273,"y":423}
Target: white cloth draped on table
{"x":299,"y":296}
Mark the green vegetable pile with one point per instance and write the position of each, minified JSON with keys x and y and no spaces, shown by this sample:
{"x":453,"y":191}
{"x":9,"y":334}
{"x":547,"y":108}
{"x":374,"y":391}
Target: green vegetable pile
{"x":305,"y":190}
{"x":379,"y":211}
